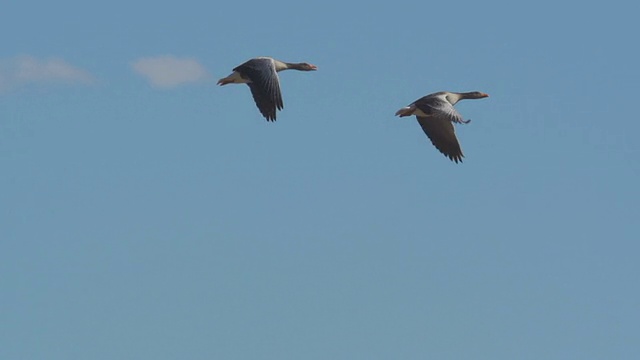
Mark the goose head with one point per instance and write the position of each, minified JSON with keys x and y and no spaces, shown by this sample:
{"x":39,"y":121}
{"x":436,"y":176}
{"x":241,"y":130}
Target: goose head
{"x":474,"y":95}
{"x":302,"y":66}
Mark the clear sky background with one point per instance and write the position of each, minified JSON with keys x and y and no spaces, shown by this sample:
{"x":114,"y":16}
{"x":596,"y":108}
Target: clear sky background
{"x":146,"y":213}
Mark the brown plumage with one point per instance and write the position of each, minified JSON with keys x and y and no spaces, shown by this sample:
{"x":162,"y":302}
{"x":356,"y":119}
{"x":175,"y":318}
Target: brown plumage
{"x":436,"y":115}
{"x":261,"y":75}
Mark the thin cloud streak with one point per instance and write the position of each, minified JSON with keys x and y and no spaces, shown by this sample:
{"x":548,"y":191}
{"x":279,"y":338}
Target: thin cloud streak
{"x":168,"y":71}
{"x":26,"y":70}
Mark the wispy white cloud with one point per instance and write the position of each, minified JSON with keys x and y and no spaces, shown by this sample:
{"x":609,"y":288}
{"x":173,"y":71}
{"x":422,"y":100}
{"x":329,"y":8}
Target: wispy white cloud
{"x":25,"y":70}
{"x":169,"y":71}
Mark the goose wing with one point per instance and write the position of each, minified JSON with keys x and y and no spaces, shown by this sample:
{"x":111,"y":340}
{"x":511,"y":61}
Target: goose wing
{"x":440,"y":131}
{"x":264,"y":85}
{"x":439,"y":106}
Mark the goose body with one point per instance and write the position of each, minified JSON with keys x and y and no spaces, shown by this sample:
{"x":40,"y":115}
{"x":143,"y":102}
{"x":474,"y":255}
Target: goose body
{"x":436,"y":115}
{"x":261,"y":75}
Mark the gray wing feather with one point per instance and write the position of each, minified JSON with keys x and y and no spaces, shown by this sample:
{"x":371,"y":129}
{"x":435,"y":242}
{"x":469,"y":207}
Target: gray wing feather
{"x":440,"y":131}
{"x":264,"y":85}
{"x":435,"y":106}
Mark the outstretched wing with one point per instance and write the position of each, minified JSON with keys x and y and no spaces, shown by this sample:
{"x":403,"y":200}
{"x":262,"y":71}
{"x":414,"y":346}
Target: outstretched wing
{"x":264,"y":85}
{"x":440,"y":131}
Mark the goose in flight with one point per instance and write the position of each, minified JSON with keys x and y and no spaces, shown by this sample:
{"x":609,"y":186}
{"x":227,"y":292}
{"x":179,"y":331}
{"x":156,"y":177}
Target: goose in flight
{"x":261,"y":74}
{"x":436,"y":115}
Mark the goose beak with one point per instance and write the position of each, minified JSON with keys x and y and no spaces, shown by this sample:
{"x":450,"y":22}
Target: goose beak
{"x":313,"y":67}
{"x":484,"y":95}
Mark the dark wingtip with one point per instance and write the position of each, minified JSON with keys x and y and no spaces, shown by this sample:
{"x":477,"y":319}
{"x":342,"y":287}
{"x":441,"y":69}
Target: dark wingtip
{"x":456,"y":158}
{"x":270,"y":117}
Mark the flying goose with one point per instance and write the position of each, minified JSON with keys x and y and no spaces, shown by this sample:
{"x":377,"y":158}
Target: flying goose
{"x":436,"y":115}
{"x":261,"y":74}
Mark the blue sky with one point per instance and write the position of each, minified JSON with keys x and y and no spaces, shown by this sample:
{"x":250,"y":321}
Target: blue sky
{"x":146,"y":213}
